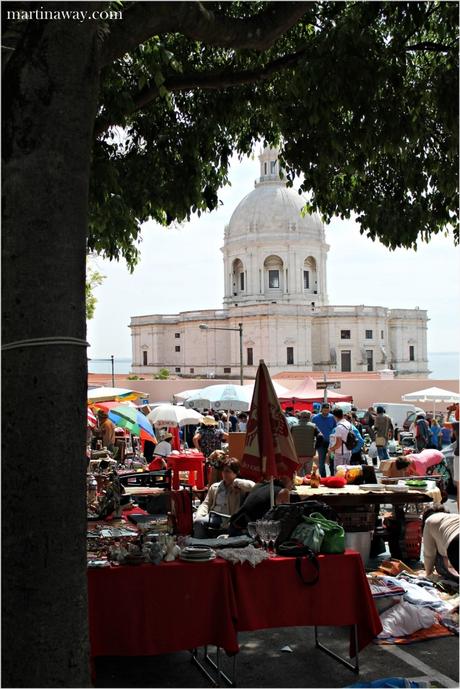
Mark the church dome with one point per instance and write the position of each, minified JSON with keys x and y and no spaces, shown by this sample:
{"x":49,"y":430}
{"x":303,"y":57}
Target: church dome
{"x":273,"y":209}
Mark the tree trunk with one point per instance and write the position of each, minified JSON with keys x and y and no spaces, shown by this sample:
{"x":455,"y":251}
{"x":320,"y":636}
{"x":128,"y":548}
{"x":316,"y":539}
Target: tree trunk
{"x":51,"y":90}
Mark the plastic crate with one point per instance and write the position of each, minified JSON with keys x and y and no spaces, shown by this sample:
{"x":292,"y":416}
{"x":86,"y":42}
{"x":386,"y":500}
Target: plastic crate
{"x":358,"y":520}
{"x":413,"y":538}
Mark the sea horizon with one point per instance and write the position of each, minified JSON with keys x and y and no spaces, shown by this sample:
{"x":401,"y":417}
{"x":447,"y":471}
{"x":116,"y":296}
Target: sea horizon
{"x":443,"y":365}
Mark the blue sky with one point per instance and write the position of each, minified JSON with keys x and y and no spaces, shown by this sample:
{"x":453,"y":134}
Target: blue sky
{"x":181,"y":269}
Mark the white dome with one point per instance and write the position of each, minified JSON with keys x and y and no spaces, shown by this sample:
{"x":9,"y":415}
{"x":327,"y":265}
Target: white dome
{"x":272,"y":209}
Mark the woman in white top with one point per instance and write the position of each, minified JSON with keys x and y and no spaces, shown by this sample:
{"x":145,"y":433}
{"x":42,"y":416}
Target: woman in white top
{"x":441,"y":531}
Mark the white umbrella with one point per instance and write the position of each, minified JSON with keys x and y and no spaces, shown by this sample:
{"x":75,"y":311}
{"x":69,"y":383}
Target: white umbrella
{"x":435,"y":395}
{"x":222,"y":396}
{"x":185,"y":394}
{"x":172,"y":415}
{"x":118,"y":394}
{"x":279,"y":389}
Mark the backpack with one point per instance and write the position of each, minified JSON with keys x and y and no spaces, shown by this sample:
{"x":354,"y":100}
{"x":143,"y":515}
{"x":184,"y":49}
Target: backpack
{"x":351,"y":441}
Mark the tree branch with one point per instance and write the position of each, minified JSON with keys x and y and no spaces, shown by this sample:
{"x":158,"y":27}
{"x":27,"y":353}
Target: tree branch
{"x":430,"y":46}
{"x":208,"y":81}
{"x":192,"y":19}
{"x":217,"y":80}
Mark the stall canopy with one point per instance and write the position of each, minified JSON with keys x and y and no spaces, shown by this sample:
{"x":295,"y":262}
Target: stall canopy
{"x":434,"y":395}
{"x":223,"y":397}
{"x":303,"y":396}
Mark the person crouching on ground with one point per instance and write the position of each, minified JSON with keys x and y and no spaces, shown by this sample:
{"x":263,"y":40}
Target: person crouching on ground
{"x":222,"y":500}
{"x":441,"y":531}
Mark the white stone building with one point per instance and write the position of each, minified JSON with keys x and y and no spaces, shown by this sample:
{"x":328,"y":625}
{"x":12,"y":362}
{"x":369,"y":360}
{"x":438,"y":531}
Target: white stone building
{"x":276,"y":287}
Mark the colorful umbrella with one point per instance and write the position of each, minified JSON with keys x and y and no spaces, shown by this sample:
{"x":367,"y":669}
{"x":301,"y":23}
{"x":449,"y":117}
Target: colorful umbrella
{"x":269,"y":451}
{"x":92,"y":421}
{"x":118,"y":394}
{"x":133,"y":420}
{"x":107,"y":406}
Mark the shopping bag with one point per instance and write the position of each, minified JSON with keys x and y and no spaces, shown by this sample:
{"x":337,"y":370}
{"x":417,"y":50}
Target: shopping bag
{"x":334,"y":534}
{"x":310,"y":534}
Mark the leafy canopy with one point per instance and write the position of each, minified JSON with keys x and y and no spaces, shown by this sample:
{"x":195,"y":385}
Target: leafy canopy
{"x":362,"y":97}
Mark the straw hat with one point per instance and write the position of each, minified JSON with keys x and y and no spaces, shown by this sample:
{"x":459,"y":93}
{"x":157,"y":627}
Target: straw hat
{"x":208,"y":421}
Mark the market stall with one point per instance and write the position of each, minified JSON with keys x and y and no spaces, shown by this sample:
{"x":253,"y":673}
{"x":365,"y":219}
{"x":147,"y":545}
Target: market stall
{"x":210,"y":602}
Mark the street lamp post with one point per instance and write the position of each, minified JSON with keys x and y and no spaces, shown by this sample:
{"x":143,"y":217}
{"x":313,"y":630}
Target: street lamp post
{"x":113,"y":369}
{"x":239,"y":330}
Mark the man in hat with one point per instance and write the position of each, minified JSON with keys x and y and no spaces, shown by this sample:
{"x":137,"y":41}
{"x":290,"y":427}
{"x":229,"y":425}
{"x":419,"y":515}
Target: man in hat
{"x":106,"y":430}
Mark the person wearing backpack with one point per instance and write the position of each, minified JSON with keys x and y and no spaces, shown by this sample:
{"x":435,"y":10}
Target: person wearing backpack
{"x":356,"y":427}
{"x":344,"y":438}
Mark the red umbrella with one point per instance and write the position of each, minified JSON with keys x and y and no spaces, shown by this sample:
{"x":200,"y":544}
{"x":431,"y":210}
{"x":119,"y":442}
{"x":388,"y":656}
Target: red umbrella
{"x":269,"y":451}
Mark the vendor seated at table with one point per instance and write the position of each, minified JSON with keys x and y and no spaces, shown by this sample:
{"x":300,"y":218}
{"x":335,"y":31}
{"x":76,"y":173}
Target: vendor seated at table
{"x":162,"y":450}
{"x":223,"y":498}
{"x":441,"y":530}
{"x":258,"y":503}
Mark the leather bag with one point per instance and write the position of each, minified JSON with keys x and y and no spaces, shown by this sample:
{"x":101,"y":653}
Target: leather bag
{"x":301,"y":553}
{"x":291,"y":515}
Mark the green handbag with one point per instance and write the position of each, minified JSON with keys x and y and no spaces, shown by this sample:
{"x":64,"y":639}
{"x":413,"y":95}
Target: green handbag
{"x":334,"y":534}
{"x":310,"y":534}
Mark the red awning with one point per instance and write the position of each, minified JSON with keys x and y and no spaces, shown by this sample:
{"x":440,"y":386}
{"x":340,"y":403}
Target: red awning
{"x":306,"y":392}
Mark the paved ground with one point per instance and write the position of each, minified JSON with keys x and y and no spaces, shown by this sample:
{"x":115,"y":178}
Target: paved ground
{"x":262,"y":663}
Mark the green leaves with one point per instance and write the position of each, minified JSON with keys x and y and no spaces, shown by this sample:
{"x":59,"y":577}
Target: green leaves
{"x":369,"y":121}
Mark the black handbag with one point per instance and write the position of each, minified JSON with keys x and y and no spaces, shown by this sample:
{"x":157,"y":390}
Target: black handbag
{"x":291,"y":515}
{"x":300,"y":552}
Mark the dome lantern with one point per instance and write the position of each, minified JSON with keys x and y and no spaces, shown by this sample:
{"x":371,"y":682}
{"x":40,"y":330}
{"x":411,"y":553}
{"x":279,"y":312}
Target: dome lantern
{"x":269,"y":166}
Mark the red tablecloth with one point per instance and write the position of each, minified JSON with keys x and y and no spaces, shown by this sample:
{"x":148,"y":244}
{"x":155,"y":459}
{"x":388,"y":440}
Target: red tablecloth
{"x":148,"y":609}
{"x":153,"y":609}
{"x":193,"y":461}
{"x":272,"y":595}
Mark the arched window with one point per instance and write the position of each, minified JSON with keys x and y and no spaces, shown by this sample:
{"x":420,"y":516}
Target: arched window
{"x":309,"y":276}
{"x":273,"y":269}
{"x":238,"y":277}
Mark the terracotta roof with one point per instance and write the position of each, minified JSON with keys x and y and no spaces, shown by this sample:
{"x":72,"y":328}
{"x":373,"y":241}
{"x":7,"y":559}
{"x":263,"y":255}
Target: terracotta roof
{"x":105,"y":378}
{"x":330,"y":375}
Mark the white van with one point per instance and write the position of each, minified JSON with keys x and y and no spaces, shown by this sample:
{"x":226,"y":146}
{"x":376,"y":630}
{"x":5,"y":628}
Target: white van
{"x":397,"y":412}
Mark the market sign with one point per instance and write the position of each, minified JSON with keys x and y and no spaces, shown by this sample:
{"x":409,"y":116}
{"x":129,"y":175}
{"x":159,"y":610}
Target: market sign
{"x":323,"y":384}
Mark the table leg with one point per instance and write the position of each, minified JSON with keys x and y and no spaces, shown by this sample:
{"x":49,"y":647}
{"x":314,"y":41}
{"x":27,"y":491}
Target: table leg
{"x":175,"y":479}
{"x":199,"y":478}
{"x":350,"y":666}
{"x":231,"y":682}
{"x":195,"y":661}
